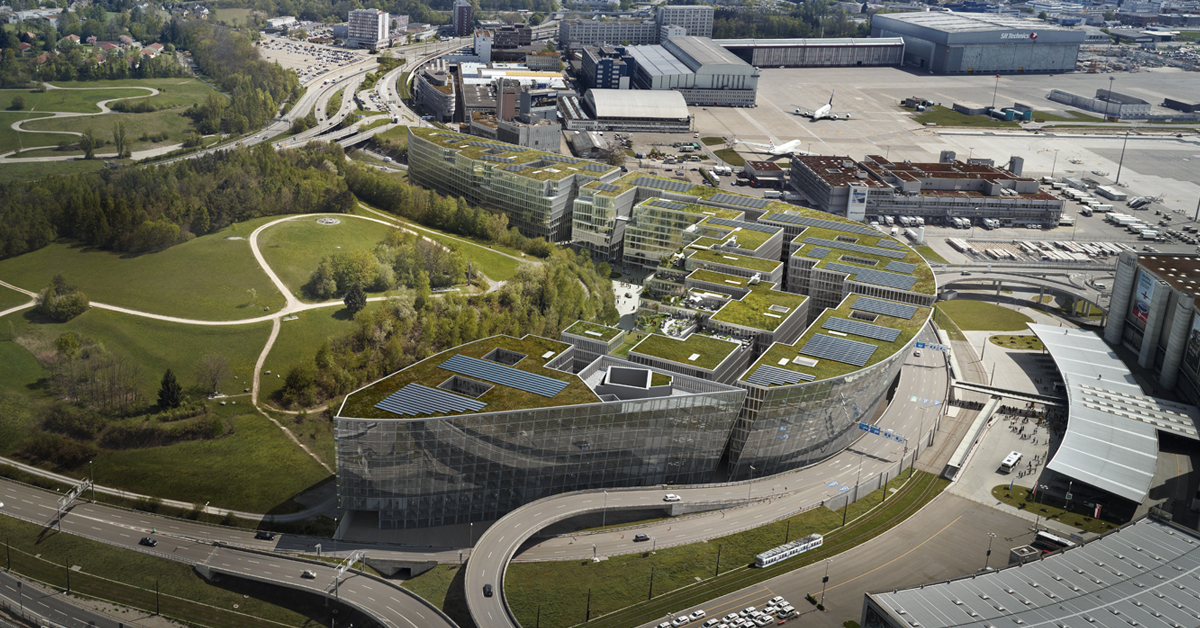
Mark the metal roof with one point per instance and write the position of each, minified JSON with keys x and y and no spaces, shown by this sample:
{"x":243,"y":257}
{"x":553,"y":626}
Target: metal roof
{"x":1111,"y":441}
{"x":638,"y":103}
{"x":797,"y":43}
{"x":702,"y":51}
{"x":656,"y":61}
{"x":1144,"y":574}
{"x":970,"y":22}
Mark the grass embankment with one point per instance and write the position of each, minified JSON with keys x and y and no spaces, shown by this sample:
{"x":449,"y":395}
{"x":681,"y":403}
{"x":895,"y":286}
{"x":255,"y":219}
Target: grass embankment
{"x":981,"y":316}
{"x":731,"y":157}
{"x":36,"y":170}
{"x":130,"y":578}
{"x":712,"y":141}
{"x":442,"y":586}
{"x":207,"y":278}
{"x":299,"y":340}
{"x":72,"y":100}
{"x":1025,"y":343}
{"x":1079,"y":516}
{"x":930,"y":255}
{"x":942,"y":116}
{"x":620,"y":585}
{"x":489,"y":259}
{"x":294,"y":248}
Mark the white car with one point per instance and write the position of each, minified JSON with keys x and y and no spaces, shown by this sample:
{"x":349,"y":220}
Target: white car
{"x":681,"y":620}
{"x":665,"y":624}
{"x":764,"y":620}
{"x":731,"y":617}
{"x":697,"y":614}
{"x":672,"y":497}
{"x":747,"y":611}
{"x":777,"y":600}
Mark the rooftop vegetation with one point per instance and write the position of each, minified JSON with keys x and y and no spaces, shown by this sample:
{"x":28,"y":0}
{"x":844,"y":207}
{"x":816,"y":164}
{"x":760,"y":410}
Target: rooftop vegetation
{"x":720,"y":279}
{"x":753,"y":309}
{"x":581,"y":328}
{"x":712,"y":351}
{"x":925,"y":282}
{"x":727,"y":259}
{"x":552,"y":171}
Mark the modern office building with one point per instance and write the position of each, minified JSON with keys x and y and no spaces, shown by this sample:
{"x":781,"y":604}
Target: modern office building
{"x":539,"y":134}
{"x":603,"y":67}
{"x":705,"y":73}
{"x":434,"y":90}
{"x":966,"y":43}
{"x":935,"y":192}
{"x":1141,"y":574}
{"x":368,"y":29}
{"x":626,"y":110}
{"x":464,"y":23}
{"x":478,"y":430}
{"x":575,"y":34}
{"x":696,"y":19}
{"x":533,"y":188}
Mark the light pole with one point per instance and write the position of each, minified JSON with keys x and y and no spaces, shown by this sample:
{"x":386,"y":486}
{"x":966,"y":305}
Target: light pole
{"x":750,"y":485}
{"x":1038,"y":515}
{"x":994,"y":88}
{"x":206,"y":511}
{"x":1122,"y":161}
{"x":1055,"y":164}
{"x":604,"y":513}
{"x":825,"y":580}
{"x":92,"y":480}
{"x":987,"y":558}
{"x":1109,"y":99}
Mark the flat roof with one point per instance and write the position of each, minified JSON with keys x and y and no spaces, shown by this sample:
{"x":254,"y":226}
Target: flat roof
{"x":704,"y":51}
{"x":697,"y":350}
{"x":595,"y":331}
{"x":970,"y":22}
{"x":725,"y":258}
{"x":657,"y":61}
{"x":515,"y":160}
{"x":1111,"y":441}
{"x":800,"y":43}
{"x":763,"y":307}
{"x":1181,"y":272}
{"x":1142,"y":574}
{"x":638,"y":103}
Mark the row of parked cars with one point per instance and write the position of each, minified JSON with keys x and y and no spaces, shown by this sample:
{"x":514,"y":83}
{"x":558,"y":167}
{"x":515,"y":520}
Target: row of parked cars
{"x":776,"y":609}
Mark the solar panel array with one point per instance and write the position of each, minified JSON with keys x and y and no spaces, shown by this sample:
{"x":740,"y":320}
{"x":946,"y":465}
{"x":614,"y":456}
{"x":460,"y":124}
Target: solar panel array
{"x":858,"y":248}
{"x":818,"y":252}
{"x":821,"y":223}
{"x":596,"y":167}
{"x":415,"y":399}
{"x":658,"y":202}
{"x":663,"y":184}
{"x":891,"y":244}
{"x":733,"y":224}
{"x":767,"y":375}
{"x":515,"y":167}
{"x":739,"y":200}
{"x":839,"y":350}
{"x":859,"y":328}
{"x":886,"y":308}
{"x":901,"y":267}
{"x":876,"y":277}
{"x":503,"y":160}
{"x":504,"y":375}
{"x":506,"y":148}
{"x":560,"y":159}
{"x":607,"y":187}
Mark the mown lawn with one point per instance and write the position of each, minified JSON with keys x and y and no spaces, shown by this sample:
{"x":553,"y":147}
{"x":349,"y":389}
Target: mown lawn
{"x":486,"y":257}
{"x":1079,"y":516}
{"x":299,"y":340}
{"x":206,"y":278}
{"x":730,"y":156}
{"x":980,"y":316}
{"x":232,"y":17}
{"x":10,"y":298}
{"x":1025,"y":343}
{"x":70,"y":100}
{"x":930,"y":255}
{"x":712,"y":141}
{"x":36,"y":170}
{"x":943,"y":116}
{"x":295,"y":248}
{"x":442,"y":586}
{"x":11,"y":139}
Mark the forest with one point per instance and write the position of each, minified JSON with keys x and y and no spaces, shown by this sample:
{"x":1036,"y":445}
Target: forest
{"x":815,"y":19}
{"x":146,"y":209}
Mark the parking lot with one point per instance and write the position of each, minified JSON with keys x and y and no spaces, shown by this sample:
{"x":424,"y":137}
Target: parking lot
{"x":311,"y":61}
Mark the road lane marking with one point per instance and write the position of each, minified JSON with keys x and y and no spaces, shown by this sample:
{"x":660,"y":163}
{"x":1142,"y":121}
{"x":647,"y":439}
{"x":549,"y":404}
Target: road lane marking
{"x":915,"y":548}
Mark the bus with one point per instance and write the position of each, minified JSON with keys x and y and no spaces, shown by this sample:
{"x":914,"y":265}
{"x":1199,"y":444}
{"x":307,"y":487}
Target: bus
{"x":788,"y":550}
{"x":1047,"y":542}
{"x":1010,"y":461}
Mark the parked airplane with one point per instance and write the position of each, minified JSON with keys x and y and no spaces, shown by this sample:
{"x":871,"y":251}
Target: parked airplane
{"x":788,"y":148}
{"x":824,"y":112}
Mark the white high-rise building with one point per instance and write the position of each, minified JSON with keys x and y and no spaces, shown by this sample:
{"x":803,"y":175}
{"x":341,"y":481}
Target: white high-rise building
{"x":368,"y":29}
{"x":698,"y":20}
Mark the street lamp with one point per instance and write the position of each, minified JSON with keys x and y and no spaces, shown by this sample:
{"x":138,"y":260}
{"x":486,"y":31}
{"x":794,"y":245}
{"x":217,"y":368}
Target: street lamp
{"x":206,"y":511}
{"x":987,"y":558}
{"x":1055,"y":164}
{"x":750,"y":485}
{"x":1038,"y":515}
{"x":604,"y":515}
{"x":92,"y":480}
{"x":825,"y":580}
{"x":1109,"y":99}
{"x":1122,"y":161}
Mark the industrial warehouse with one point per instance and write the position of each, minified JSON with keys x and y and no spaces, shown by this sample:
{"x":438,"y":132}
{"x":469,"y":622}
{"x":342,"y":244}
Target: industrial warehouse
{"x":965,"y":43}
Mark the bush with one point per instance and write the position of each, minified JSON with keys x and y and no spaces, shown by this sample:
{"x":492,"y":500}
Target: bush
{"x":58,"y":450}
{"x":18,"y":103}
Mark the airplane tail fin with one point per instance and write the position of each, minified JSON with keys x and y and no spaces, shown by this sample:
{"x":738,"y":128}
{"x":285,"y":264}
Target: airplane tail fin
{"x":831,"y":97}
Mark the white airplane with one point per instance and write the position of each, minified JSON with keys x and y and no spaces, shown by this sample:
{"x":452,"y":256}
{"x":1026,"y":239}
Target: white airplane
{"x":788,"y":148}
{"x":824,"y":112}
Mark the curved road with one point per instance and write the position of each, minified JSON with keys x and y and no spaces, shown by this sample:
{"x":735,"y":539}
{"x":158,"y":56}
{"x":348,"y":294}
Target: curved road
{"x":779,"y":496}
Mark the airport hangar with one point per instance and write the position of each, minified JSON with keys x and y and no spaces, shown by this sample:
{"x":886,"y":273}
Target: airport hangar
{"x":966,"y":43}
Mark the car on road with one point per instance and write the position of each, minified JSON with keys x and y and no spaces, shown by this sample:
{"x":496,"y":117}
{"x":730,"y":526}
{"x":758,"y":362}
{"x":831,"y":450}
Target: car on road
{"x":697,"y":614}
{"x":917,"y":353}
{"x":681,"y":620}
{"x":966,"y":273}
{"x":638,"y":538}
{"x":148,"y":542}
{"x":263,"y":535}
{"x":777,"y":600}
{"x":628,"y":295}
{"x":308,"y":574}
{"x":672,"y":497}
{"x":487,"y":590}
{"x":665,"y":624}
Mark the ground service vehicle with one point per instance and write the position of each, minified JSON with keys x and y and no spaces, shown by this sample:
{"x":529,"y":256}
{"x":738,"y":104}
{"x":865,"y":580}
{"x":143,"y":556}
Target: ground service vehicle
{"x":1010,"y":461}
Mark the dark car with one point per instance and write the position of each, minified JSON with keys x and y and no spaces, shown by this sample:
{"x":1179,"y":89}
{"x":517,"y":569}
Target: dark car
{"x":148,"y":542}
{"x":487,"y":590}
{"x":263,"y":535}
{"x":638,"y":538}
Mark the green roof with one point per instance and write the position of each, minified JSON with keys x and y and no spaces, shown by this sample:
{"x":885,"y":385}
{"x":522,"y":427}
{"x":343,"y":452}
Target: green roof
{"x":361,"y":404}
{"x":500,"y":155}
{"x":741,"y":261}
{"x":581,"y":328}
{"x":621,"y":187}
{"x":754,"y":309}
{"x":831,"y":368}
{"x":750,"y":239}
{"x":720,"y":279}
{"x":925,"y":283}
{"x":710,"y":352}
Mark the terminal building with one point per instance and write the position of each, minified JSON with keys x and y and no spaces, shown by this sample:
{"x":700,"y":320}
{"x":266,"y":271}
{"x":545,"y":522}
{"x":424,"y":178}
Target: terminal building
{"x":966,"y":43}
{"x":936,"y":192}
{"x":624,"y":110}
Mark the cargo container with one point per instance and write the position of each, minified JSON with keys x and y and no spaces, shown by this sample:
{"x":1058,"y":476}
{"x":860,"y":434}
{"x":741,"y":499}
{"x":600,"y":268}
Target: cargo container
{"x":1110,"y":193}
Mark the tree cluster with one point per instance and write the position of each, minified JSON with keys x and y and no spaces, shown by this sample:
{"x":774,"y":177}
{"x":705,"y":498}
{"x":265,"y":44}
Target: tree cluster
{"x":146,"y":209}
{"x":816,"y":18}
{"x":61,"y":302}
{"x":403,"y":260}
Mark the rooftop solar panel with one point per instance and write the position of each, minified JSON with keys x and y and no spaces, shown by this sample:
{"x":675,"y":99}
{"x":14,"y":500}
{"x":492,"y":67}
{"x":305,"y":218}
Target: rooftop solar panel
{"x":818,"y":252}
{"x":503,"y":160}
{"x":607,"y":187}
{"x":901,"y":267}
{"x":504,"y":375}
{"x":841,"y":350}
{"x":515,"y":167}
{"x":891,"y":244}
{"x":859,"y":328}
{"x":561,"y":159}
{"x":733,"y":224}
{"x":415,"y":400}
{"x":508,"y":148}
{"x":596,"y":167}
{"x":820,"y":223}
{"x":858,"y":248}
{"x":658,"y":202}
{"x":767,"y":375}
{"x":739,"y":200}
{"x":875,"y":277}
{"x":886,"y":308}
{"x":663,"y":184}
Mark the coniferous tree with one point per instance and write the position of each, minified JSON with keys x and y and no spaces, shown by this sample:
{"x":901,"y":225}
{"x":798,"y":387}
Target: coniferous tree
{"x":170,"y":394}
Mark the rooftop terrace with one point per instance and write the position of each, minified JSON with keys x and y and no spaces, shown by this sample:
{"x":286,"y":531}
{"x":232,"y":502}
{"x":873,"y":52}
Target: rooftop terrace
{"x":525,"y":162}
{"x":763,"y":308}
{"x":593,"y":330}
{"x":698,"y":350}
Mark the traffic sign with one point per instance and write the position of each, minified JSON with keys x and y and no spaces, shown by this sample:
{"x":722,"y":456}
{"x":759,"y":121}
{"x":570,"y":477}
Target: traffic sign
{"x":920,"y":345}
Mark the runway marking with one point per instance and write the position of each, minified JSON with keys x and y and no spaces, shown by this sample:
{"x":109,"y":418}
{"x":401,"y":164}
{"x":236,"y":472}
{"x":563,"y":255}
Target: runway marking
{"x":915,"y":548}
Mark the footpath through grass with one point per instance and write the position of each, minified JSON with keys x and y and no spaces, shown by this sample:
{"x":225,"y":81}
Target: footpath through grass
{"x":207,"y":278}
{"x":487,"y":258}
{"x":299,"y":340}
{"x":12,"y":139}
{"x":620,"y":585}
{"x":130,"y":578}
{"x":1078,"y":516}
{"x":981,"y":316}
{"x":71,"y":100}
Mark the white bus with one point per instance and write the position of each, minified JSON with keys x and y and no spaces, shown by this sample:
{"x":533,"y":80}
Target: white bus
{"x":1010,"y":461}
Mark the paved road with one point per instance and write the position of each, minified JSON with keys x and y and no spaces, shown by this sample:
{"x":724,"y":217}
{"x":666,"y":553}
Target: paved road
{"x":923,"y":378}
{"x":52,"y":606}
{"x":391,"y":605}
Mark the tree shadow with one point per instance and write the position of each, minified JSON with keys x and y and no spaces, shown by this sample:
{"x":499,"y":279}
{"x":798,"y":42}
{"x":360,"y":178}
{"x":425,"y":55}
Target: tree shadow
{"x":343,"y":314}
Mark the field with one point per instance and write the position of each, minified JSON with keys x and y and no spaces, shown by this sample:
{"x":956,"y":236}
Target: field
{"x":295,"y":248}
{"x":487,"y":258}
{"x":70,"y":100}
{"x":299,"y":340}
{"x":11,"y":139}
{"x":206,"y":278}
{"x":10,"y":298}
{"x":36,"y":170}
{"x":730,"y":156}
{"x":232,"y":17}
{"x":930,"y":255}
{"x":942,"y":116}
{"x":980,"y":316}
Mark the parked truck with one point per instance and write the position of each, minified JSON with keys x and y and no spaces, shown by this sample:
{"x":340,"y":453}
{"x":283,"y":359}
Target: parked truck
{"x":1149,"y":234}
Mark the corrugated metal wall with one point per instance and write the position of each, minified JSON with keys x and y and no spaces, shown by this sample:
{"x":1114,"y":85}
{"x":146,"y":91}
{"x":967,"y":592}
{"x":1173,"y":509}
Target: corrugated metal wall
{"x":819,"y":56}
